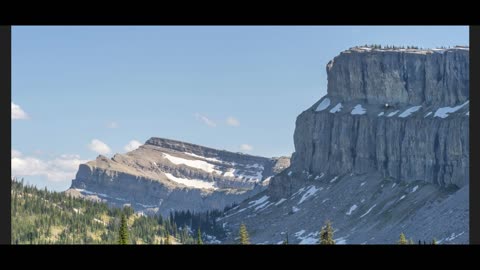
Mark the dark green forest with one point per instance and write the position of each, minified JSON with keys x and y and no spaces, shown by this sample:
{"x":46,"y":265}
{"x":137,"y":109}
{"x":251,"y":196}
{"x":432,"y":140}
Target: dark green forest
{"x":40,"y":216}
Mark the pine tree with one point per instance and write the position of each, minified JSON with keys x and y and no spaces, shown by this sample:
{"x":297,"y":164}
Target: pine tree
{"x":326,"y":234}
{"x":244,"y":238}
{"x":199,"y":238}
{"x":123,"y":232}
{"x":403,"y":240}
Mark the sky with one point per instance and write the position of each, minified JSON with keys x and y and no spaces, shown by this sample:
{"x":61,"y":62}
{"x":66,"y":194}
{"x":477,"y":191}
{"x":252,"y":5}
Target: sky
{"x":78,"y":92}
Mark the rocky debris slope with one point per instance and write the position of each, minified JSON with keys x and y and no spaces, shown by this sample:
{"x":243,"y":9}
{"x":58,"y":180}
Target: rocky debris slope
{"x":164,"y":175}
{"x":390,"y":117}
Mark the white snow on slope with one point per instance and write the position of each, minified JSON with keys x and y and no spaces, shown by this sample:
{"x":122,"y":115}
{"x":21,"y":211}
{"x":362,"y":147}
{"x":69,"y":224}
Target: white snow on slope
{"x":392,"y":113}
{"x":259,"y":201}
{"x":414,"y":189}
{"x":309,"y":239}
{"x":341,"y":241}
{"x":263,"y":206}
{"x":297,"y":234}
{"x":334,"y":179}
{"x":363,"y":183}
{"x":280,"y":201}
{"x":401,"y":198}
{"x":310,"y":192}
{"x":202,"y":157}
{"x":323,"y":105}
{"x":290,"y":173}
{"x":198,"y":164}
{"x":445,"y":111}
{"x":382,"y":113}
{"x":368,"y":211}
{"x":358,"y":109}
{"x":195,"y":183}
{"x":409,"y":111}
{"x":295,"y":209}
{"x":337,"y":108}
{"x":427,"y":114}
{"x":351,"y":210}
{"x":468,"y":113}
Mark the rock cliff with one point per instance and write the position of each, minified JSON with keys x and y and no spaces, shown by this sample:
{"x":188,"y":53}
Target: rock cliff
{"x":385,"y":152}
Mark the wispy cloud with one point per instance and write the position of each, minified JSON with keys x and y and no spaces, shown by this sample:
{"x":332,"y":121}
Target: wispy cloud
{"x":232,"y":121}
{"x":99,"y":147}
{"x":246,"y":147}
{"x":112,"y":125}
{"x":61,"y":168}
{"x":18,"y":113}
{"x":132,"y":145}
{"x":205,"y":120}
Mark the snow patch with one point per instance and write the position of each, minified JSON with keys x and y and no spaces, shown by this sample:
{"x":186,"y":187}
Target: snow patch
{"x":310,"y":192}
{"x":351,"y":210}
{"x":468,"y":113}
{"x":198,"y":164}
{"x":334,"y":179}
{"x":290,"y":173}
{"x":299,"y":233}
{"x":323,"y":105}
{"x":409,"y":111}
{"x":337,"y":108}
{"x":427,"y":114}
{"x":382,"y":113}
{"x":259,"y":201}
{"x":295,"y":209}
{"x":392,"y":113}
{"x":194,"y":183}
{"x":280,"y":201}
{"x":341,"y":241}
{"x":394,"y":184}
{"x":358,"y":109}
{"x":401,"y":198}
{"x":363,"y":183}
{"x":368,"y":211}
{"x":445,"y":111}
{"x":202,"y":157}
{"x":414,"y":189}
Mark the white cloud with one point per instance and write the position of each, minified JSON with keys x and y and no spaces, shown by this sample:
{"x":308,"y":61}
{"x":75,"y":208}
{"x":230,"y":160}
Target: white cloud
{"x":16,"y":153}
{"x":205,"y":120}
{"x":18,"y":113}
{"x":99,"y":147}
{"x":232,"y":121}
{"x":132,"y":145}
{"x":112,"y":125}
{"x":62,"y":168}
{"x":246,"y":147}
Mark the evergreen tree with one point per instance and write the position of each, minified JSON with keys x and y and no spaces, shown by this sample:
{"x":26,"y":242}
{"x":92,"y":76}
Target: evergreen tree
{"x":326,"y":234}
{"x":244,"y":238}
{"x":199,"y":238}
{"x":123,"y":232}
{"x":403,"y":240}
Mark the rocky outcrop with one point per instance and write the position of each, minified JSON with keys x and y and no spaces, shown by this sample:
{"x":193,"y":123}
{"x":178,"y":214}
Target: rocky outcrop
{"x":385,"y":152}
{"x":421,"y":135}
{"x":164,"y":175}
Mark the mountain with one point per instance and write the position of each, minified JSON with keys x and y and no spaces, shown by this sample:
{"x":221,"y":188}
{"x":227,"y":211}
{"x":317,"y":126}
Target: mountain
{"x":165,"y":175}
{"x":385,"y":152}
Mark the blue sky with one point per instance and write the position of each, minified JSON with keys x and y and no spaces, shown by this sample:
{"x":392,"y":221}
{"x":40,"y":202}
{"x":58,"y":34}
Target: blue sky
{"x":81,"y":91}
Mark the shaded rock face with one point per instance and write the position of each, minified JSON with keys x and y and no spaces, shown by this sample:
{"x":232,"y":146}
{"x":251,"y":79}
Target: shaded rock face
{"x":401,"y":76}
{"x":385,"y":152}
{"x":352,"y":130}
{"x":165,"y":175}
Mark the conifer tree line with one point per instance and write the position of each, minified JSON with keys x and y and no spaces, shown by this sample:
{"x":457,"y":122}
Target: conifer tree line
{"x":40,"y":216}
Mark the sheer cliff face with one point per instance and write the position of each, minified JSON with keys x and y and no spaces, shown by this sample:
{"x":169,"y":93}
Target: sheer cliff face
{"x":374,"y":170}
{"x":164,"y":175}
{"x":422,"y":134}
{"x":415,"y":77}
